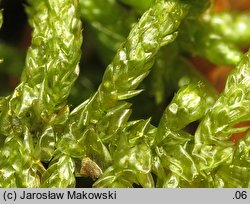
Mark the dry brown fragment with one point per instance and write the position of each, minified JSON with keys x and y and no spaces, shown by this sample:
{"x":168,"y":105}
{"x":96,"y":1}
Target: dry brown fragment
{"x":90,"y":168}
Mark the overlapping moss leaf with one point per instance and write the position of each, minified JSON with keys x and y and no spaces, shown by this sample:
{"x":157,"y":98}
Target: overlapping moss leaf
{"x":97,"y":138}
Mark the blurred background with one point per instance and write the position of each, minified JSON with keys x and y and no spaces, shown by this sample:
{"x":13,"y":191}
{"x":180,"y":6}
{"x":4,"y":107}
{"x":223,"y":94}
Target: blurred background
{"x":15,"y":38}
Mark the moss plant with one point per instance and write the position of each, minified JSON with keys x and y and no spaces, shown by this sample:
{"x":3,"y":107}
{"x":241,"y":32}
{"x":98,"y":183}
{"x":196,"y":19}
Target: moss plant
{"x":47,"y":142}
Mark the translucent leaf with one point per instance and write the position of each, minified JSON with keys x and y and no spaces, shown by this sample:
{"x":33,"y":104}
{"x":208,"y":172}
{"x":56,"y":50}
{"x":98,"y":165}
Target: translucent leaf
{"x":60,"y":174}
